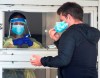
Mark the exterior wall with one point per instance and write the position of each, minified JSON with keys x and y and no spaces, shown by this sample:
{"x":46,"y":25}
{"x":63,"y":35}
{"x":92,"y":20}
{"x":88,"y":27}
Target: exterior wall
{"x":49,"y":2}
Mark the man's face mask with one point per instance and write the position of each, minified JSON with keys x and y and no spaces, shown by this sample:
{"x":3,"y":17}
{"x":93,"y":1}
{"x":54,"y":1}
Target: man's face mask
{"x":18,"y":29}
{"x":60,"y":26}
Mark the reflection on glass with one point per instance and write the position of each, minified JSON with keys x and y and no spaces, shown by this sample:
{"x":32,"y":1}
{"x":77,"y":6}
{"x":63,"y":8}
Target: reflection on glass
{"x":24,"y":73}
{"x":29,"y":73}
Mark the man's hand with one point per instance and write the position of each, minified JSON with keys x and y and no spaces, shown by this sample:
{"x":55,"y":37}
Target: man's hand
{"x":36,"y":60}
{"x":55,"y":36}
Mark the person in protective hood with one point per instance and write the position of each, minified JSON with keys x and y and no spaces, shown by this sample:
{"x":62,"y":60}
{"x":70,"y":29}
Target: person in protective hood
{"x":77,"y":45}
{"x":17,"y":37}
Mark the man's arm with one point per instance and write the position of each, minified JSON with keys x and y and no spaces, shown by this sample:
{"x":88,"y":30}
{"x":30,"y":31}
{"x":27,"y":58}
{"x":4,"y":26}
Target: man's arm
{"x":65,"y":52}
{"x":56,"y":43}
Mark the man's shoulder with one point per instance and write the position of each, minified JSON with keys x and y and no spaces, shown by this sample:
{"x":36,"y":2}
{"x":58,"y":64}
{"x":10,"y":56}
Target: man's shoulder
{"x":80,"y":27}
{"x":74,"y":30}
{"x":71,"y":30}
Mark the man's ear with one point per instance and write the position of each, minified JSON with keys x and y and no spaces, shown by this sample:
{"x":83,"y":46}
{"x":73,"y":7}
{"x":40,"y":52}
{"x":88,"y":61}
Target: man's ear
{"x":69,"y":16}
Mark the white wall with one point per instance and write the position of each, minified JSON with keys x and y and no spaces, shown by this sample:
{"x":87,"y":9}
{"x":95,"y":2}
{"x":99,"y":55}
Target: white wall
{"x":49,"y":2}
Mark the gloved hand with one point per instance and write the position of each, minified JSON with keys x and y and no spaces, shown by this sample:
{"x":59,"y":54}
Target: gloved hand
{"x":27,"y":40}
{"x":23,"y":40}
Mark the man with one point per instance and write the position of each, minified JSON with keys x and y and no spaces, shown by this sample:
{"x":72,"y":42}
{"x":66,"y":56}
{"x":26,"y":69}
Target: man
{"x":77,"y":46}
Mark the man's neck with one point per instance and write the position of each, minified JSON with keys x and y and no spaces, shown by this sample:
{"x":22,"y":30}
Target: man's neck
{"x":76,"y":22}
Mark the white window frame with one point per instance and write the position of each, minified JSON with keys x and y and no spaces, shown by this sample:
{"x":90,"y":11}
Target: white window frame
{"x":93,"y":11}
{"x":99,"y":40}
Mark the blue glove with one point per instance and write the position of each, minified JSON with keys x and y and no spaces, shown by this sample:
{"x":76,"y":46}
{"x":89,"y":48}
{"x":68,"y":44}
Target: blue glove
{"x":23,"y":40}
{"x":18,"y":41}
{"x":27,"y":40}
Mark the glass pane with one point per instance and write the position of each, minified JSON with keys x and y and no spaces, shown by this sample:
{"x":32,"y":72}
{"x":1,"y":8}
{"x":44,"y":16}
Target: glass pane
{"x":33,"y":26}
{"x":87,"y":18}
{"x":29,"y":73}
{"x":39,"y":24}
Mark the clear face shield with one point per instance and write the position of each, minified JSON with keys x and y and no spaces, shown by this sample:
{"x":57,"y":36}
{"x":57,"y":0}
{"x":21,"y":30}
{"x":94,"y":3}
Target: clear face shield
{"x":18,"y":26}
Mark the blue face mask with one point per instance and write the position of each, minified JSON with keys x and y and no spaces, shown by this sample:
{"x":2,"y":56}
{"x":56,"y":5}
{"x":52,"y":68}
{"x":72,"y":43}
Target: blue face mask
{"x":61,"y":26}
{"x":18,"y":29}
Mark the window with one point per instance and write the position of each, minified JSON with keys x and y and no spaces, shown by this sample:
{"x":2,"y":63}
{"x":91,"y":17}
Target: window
{"x":39,"y":24}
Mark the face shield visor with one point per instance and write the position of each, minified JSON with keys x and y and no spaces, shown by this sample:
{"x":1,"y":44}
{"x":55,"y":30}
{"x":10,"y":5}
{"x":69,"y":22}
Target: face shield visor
{"x":18,"y":26}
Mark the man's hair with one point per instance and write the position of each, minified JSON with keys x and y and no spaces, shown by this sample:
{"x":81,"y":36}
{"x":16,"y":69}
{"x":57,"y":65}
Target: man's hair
{"x":15,"y":14}
{"x":74,"y":9}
